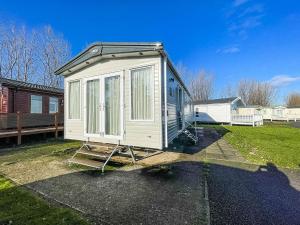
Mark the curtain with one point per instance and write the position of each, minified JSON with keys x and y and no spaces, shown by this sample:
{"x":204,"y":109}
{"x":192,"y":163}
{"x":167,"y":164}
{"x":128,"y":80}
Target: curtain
{"x":36,"y":104}
{"x":141,"y":94}
{"x":53,"y":105}
{"x":92,"y":106}
{"x":112,"y":105}
{"x":74,"y":100}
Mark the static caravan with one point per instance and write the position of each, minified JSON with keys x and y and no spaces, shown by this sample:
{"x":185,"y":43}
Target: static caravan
{"x":293,"y":113}
{"x":286,"y":113}
{"x":216,"y":110}
{"x":125,"y":93}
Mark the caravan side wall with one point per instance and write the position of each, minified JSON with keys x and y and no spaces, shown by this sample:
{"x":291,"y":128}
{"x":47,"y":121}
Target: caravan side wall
{"x":136,"y":133}
{"x":173,"y":106}
{"x":213,"y":113}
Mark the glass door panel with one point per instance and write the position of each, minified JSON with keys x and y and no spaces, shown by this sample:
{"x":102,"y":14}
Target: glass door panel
{"x":92,"y":106}
{"x":112,"y":96}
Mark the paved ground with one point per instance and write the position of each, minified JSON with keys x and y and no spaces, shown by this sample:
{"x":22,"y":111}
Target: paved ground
{"x":218,"y":148}
{"x":143,"y":196}
{"x":241,"y":193}
{"x":296,"y":124}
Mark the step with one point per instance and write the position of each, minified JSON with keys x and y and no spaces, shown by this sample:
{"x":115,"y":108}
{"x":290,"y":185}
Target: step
{"x":86,"y":162}
{"x":97,"y":154}
{"x":119,"y":158}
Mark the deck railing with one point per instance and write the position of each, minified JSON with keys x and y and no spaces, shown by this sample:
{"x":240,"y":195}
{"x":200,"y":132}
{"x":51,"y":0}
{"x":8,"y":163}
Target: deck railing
{"x":15,"y":124}
{"x":29,"y":120}
{"x":254,"y":120}
{"x":289,"y":117}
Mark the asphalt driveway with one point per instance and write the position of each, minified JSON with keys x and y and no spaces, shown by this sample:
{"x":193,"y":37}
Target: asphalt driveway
{"x":248,"y":194}
{"x":169,"y":195}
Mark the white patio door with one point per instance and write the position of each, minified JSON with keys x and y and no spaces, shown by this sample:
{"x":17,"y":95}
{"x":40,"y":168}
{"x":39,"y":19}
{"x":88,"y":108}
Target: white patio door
{"x":113,"y":110}
{"x":104,"y":106}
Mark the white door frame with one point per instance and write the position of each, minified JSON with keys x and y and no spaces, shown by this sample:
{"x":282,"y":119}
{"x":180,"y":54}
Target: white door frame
{"x":101,"y":79}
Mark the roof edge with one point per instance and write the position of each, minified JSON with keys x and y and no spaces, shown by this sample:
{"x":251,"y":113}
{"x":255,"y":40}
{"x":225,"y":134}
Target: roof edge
{"x":61,"y":69}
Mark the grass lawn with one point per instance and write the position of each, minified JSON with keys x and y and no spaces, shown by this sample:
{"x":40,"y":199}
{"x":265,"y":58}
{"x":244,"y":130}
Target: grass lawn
{"x":20,"y":206}
{"x":278,"y":143}
{"x":30,"y":152}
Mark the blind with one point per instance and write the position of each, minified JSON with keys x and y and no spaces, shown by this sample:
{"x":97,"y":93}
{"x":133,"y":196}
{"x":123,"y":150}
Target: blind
{"x":53,"y":105}
{"x":36,"y":104}
{"x":142,"y":94}
{"x":92,"y":107}
{"x":74,"y":100}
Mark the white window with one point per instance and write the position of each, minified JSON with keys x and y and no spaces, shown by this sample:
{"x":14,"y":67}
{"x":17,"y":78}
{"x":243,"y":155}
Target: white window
{"x":36,"y":104}
{"x":142,"y":94}
{"x":53,"y":105}
{"x":74,"y":100}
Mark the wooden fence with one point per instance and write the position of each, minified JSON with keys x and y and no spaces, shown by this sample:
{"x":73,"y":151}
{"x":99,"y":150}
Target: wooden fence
{"x":18,"y":124}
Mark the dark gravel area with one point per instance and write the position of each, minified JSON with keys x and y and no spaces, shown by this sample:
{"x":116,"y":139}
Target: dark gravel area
{"x":296,"y":124}
{"x":173,"y":194}
{"x":253,"y":195}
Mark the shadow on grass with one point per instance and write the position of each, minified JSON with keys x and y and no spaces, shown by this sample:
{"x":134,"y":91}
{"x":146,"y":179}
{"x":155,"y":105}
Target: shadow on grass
{"x":175,"y":194}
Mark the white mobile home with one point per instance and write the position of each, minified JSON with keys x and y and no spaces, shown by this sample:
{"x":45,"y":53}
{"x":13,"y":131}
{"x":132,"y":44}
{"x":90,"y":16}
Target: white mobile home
{"x":127,"y":93}
{"x":217,"y":110}
{"x":286,"y":113}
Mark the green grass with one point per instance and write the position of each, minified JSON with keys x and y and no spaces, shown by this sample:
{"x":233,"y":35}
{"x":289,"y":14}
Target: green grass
{"x":30,"y":152}
{"x":278,"y":143}
{"x":19,"y":206}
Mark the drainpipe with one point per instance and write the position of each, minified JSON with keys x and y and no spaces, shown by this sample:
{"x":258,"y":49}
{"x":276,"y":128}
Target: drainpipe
{"x":166,"y":99}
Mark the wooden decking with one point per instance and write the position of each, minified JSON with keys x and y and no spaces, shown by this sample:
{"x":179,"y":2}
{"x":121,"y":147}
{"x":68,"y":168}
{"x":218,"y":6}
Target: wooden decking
{"x":29,"y":131}
{"x":20,"y":124}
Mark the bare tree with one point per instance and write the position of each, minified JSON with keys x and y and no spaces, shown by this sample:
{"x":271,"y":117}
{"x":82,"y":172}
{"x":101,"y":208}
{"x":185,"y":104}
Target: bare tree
{"x":293,"y":99}
{"x":30,"y":55}
{"x":256,"y":93}
{"x":53,"y":52}
{"x":26,"y":60}
{"x":228,"y":91}
{"x":184,"y":72}
{"x":16,"y":52}
{"x":202,"y":86}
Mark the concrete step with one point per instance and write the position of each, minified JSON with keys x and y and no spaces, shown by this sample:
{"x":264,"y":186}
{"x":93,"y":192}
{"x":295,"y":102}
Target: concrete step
{"x":87,"y":162}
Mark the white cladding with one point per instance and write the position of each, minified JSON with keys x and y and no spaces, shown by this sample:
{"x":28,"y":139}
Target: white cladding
{"x":143,"y":133}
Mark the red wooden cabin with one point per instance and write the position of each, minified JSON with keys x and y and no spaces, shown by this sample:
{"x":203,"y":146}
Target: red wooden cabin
{"x":26,"y":97}
{"x":37,"y":104}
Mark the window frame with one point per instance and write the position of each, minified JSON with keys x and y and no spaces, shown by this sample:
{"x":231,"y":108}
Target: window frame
{"x":68,"y":100}
{"x":152,"y":67}
{"x":52,"y":97}
{"x":31,"y":104}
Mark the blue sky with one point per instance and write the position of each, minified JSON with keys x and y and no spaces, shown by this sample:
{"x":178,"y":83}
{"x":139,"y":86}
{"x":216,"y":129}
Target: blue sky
{"x":232,"y":39}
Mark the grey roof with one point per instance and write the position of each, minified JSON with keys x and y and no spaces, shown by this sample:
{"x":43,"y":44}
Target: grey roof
{"x":109,"y":50}
{"x":102,"y":49}
{"x":30,"y":86}
{"x":215,"y":101}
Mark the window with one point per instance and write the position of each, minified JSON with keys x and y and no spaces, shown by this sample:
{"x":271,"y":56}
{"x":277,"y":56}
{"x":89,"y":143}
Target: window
{"x":171,"y":91}
{"x":53,"y":105}
{"x":142,"y":94}
{"x":74,"y":100}
{"x":36,"y":104}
